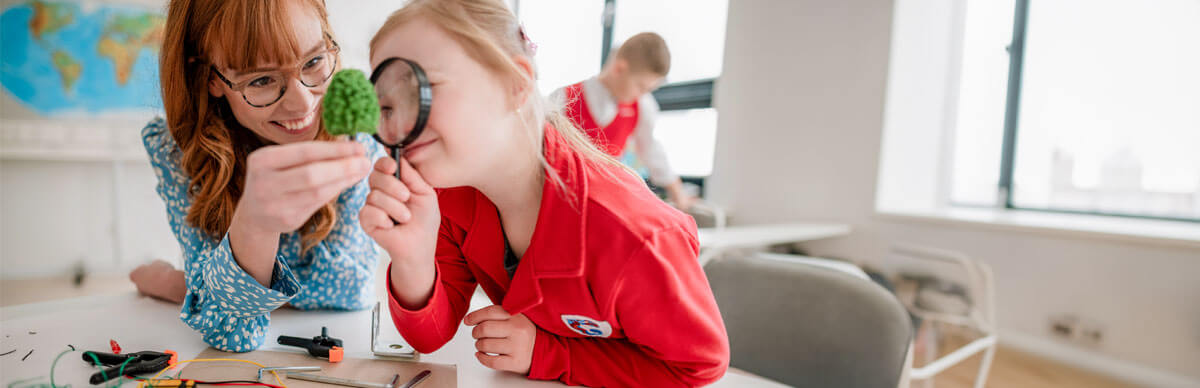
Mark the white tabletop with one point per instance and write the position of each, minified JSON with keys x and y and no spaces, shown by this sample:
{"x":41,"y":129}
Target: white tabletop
{"x":715,"y":241}
{"x":140,"y":323}
{"x":768,"y":234}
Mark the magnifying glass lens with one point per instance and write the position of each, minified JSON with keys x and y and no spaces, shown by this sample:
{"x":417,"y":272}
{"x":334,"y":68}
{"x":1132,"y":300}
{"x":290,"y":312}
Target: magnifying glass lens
{"x":398,"y":90}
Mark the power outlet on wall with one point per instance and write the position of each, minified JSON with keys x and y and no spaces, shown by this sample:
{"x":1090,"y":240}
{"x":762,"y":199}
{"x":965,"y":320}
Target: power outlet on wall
{"x":1071,"y":328}
{"x":1064,"y":326}
{"x":1090,"y":333}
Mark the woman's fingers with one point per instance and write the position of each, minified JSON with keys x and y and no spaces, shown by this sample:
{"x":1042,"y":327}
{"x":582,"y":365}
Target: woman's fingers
{"x":309,"y":200}
{"x":321,"y":173}
{"x":288,"y":155}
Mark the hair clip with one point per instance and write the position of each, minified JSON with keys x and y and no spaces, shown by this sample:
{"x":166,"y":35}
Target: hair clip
{"x":530,"y":47}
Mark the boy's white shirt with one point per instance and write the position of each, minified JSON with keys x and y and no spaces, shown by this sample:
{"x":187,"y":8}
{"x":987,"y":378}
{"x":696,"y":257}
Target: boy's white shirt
{"x":604,"y":109}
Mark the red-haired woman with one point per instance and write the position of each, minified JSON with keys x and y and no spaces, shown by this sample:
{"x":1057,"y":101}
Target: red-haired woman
{"x":265,"y":207}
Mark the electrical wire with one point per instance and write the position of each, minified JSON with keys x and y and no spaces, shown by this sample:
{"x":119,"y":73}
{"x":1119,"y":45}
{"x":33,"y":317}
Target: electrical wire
{"x":277,"y":379}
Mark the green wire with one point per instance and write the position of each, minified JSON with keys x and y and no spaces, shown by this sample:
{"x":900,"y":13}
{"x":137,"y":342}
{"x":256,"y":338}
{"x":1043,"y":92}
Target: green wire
{"x":52,"y":385}
{"x":14,"y":383}
{"x":120,"y":372}
{"x":98,"y":365}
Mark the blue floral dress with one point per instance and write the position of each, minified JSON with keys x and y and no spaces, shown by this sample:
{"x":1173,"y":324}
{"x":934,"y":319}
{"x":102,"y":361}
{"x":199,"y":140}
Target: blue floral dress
{"x":225,"y":304}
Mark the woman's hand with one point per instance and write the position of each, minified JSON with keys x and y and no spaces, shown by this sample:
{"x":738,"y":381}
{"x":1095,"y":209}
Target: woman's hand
{"x":285,"y":185}
{"x":502,"y":341}
{"x":161,"y":280}
{"x":403,"y":217}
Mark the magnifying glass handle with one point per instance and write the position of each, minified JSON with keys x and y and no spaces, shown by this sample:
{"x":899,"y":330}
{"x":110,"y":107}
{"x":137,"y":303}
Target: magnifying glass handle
{"x":397,"y":153}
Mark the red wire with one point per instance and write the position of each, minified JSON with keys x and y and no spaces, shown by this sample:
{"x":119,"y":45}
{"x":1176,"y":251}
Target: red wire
{"x":199,"y":382}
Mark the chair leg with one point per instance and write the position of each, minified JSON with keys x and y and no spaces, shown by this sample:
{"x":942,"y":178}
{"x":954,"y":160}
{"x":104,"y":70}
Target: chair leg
{"x":985,"y":366}
{"x":931,"y":348}
{"x":906,"y":373}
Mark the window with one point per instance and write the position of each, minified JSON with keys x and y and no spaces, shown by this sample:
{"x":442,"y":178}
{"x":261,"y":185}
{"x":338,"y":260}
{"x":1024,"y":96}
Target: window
{"x":572,"y":38}
{"x":694,"y":31}
{"x":689,"y":137}
{"x":354,"y":24}
{"x":1100,"y":108}
{"x":568,"y":36}
{"x":980,"y":112}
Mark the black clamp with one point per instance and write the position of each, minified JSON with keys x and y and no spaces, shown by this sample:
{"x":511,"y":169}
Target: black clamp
{"x":133,"y":364}
{"x":322,"y":346}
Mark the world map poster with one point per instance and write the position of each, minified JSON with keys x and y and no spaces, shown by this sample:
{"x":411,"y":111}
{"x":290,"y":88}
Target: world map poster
{"x":81,"y":58}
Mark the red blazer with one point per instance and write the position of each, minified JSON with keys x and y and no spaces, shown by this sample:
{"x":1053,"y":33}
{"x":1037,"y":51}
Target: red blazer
{"x":610,"y":279}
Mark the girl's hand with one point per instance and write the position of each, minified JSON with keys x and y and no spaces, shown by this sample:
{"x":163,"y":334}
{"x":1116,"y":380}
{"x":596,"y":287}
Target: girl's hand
{"x":402,"y":216}
{"x":504,"y":342}
{"x":286,"y":184}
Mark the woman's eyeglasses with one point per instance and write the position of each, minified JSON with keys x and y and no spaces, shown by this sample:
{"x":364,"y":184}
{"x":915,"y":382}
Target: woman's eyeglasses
{"x":261,"y":89}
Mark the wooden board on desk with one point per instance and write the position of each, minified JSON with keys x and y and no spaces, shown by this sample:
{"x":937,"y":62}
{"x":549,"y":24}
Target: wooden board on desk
{"x":379,"y":371}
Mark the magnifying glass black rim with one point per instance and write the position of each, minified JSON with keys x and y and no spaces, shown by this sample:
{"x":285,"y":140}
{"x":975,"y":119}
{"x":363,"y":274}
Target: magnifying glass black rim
{"x":425,"y":97}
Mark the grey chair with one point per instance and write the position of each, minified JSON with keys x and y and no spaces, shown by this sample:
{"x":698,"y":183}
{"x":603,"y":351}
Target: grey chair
{"x":810,"y":326}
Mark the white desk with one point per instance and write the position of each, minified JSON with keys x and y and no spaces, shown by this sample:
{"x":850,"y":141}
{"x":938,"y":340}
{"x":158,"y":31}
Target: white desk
{"x":141,"y":323}
{"x":713,"y":241}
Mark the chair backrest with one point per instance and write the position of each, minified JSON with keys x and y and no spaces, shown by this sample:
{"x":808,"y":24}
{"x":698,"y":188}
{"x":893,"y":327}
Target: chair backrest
{"x":975,"y":275}
{"x":808,"y":326}
{"x":707,"y":215}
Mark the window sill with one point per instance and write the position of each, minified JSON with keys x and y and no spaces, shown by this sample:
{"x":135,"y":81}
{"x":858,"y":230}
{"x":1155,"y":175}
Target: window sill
{"x":1146,"y":231}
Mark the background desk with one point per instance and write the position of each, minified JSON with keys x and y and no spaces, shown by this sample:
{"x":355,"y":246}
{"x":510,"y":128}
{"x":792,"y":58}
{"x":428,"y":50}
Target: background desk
{"x":714,"y":241}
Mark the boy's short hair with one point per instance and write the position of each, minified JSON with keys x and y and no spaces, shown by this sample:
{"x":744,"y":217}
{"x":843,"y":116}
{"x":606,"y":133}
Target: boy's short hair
{"x":646,"y":51}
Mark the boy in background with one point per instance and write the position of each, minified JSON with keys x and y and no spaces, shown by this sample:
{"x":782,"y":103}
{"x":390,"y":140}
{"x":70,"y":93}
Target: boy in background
{"x":616,"y":105}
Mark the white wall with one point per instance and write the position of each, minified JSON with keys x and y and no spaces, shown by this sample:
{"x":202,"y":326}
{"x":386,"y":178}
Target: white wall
{"x":55,"y":214}
{"x":57,"y":177}
{"x":802,"y":102}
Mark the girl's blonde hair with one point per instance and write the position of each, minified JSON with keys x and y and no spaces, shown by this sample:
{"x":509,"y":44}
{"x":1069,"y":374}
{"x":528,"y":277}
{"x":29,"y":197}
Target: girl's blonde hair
{"x":214,"y":146}
{"x":492,"y":36}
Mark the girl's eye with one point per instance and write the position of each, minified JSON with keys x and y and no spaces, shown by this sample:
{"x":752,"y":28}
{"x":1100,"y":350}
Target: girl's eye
{"x":385,"y":111}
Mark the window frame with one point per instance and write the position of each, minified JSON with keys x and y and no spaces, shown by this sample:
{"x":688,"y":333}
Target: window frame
{"x":1008,"y":151}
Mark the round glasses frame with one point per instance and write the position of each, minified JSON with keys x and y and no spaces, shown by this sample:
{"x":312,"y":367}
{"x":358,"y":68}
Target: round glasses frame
{"x":289,"y":73}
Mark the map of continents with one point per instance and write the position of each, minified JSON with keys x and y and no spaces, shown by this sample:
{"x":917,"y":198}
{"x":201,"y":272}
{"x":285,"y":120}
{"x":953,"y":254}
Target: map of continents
{"x":62,"y":58}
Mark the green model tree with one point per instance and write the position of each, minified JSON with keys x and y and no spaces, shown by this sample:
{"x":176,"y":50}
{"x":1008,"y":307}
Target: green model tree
{"x":350,"y":105}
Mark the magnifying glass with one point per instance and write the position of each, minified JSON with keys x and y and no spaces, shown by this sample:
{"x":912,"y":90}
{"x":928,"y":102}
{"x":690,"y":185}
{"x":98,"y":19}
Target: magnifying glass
{"x":405,"y":97}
